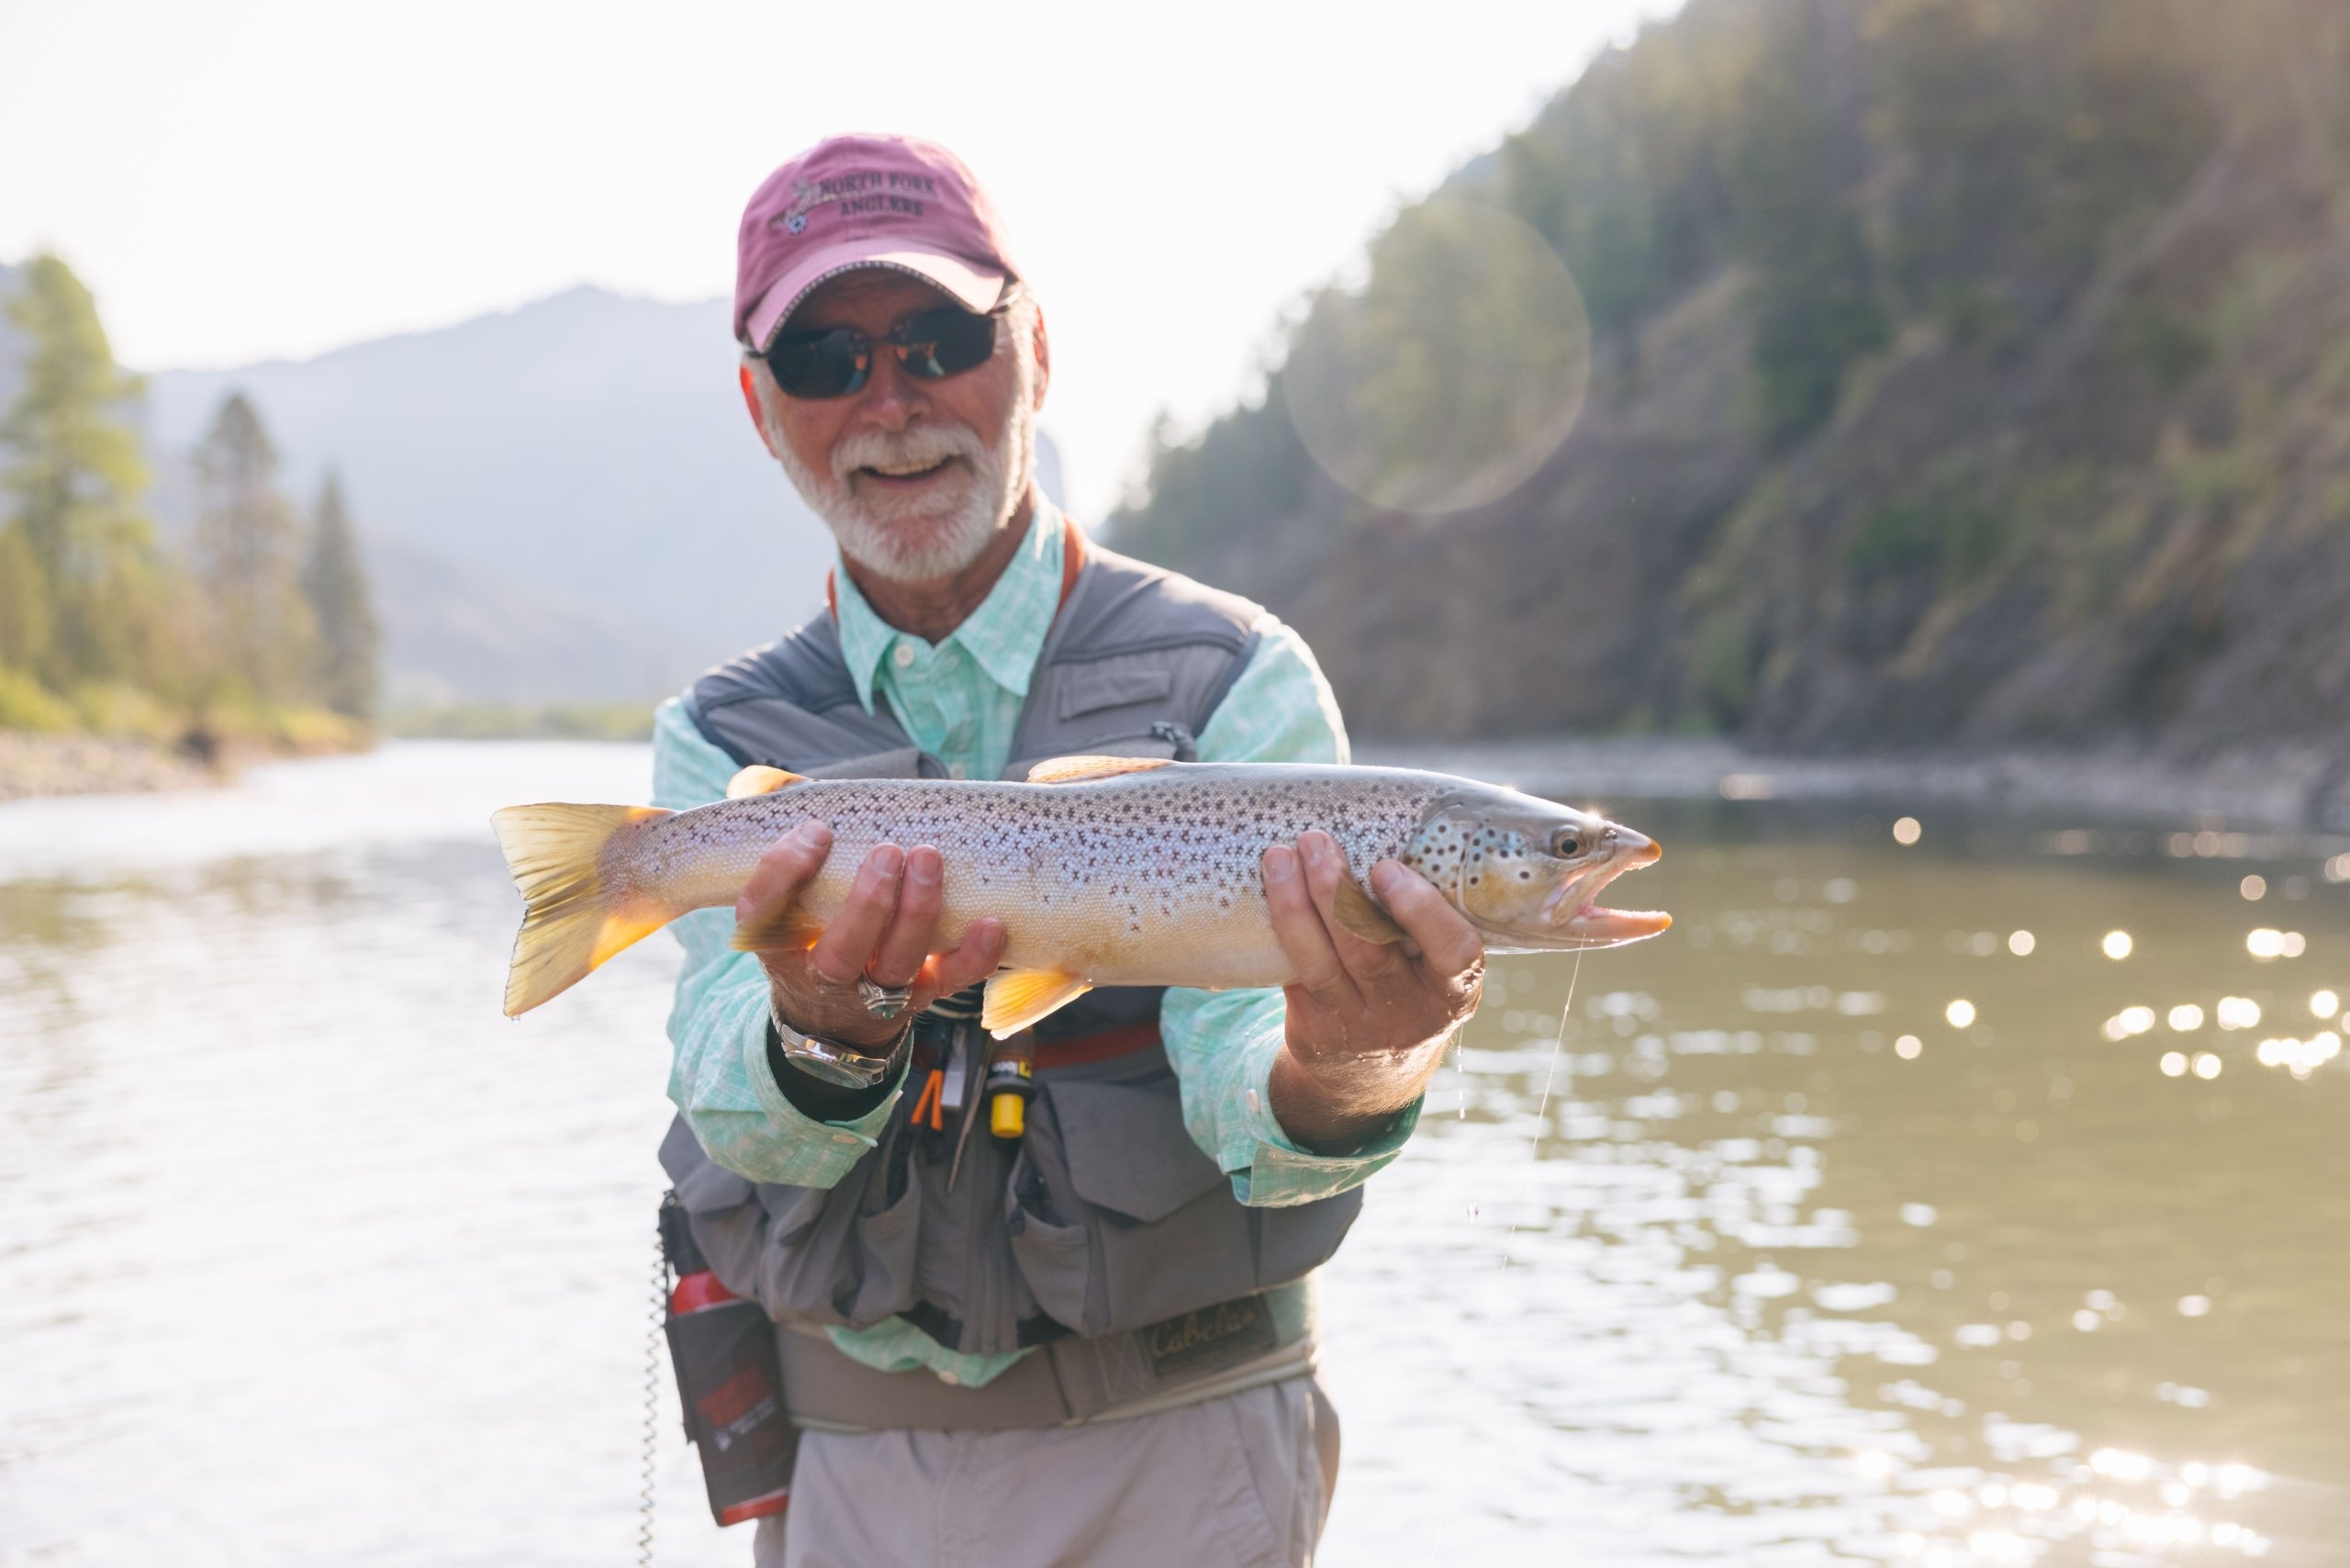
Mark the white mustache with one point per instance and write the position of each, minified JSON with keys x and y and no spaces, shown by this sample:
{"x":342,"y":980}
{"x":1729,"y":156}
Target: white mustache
{"x":917,"y":446}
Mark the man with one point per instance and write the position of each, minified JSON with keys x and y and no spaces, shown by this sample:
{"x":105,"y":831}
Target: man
{"x":1089,"y":1341}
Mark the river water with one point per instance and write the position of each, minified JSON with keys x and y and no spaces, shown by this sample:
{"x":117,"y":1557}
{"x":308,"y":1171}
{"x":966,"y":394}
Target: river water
{"x":1858,"y":1219}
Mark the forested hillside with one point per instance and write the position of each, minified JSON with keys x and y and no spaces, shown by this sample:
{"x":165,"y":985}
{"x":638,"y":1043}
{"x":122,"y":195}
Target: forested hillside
{"x":1958,"y":371}
{"x":261,"y":631}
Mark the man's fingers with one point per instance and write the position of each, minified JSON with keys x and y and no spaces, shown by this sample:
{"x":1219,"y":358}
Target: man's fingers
{"x":790,"y":864}
{"x":1449,"y":945}
{"x":1298,"y":926}
{"x":977,"y":955}
{"x":1325,"y":870}
{"x":840,"y":956}
{"x":897,"y":959}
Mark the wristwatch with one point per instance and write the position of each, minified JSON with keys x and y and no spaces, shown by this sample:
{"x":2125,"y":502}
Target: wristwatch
{"x":829,"y":1061}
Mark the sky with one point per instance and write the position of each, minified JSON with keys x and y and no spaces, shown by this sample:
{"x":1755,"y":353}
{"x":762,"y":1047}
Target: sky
{"x":254,"y":179}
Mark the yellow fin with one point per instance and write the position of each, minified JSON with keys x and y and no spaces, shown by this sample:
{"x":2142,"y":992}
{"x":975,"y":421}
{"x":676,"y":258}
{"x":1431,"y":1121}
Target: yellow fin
{"x":1078,"y":769}
{"x":1017,"y":998}
{"x":760,"y":780}
{"x":571,"y":920}
{"x":1365,"y":919}
{"x":787,"y":929}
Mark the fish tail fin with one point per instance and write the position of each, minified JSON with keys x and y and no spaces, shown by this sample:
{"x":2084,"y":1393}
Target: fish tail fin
{"x":574,"y":919}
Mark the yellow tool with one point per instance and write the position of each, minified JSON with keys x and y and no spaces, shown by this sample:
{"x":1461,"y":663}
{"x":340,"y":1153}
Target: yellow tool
{"x":1012,"y":1083}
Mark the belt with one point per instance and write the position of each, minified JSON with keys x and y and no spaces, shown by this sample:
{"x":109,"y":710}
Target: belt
{"x":1202,"y":1354}
{"x":1101,"y":1046}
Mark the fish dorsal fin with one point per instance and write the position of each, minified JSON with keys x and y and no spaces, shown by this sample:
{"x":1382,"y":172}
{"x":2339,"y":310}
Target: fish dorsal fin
{"x":1017,"y":998}
{"x":760,"y":780}
{"x":1079,"y":769}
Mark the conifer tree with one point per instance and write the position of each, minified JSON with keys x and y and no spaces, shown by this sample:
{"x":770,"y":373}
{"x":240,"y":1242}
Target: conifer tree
{"x":76,"y":570}
{"x":334,"y":581}
{"x":247,"y":544}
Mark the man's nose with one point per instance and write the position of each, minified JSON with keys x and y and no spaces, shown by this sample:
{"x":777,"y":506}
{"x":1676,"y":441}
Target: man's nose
{"x":890,"y":398}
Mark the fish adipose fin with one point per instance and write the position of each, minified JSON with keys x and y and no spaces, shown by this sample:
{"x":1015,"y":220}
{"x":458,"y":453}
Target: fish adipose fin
{"x":1365,"y":919}
{"x":1079,"y":769}
{"x":1017,"y":998}
{"x":760,"y":780}
{"x":572,"y":921}
{"x":786,"y":930}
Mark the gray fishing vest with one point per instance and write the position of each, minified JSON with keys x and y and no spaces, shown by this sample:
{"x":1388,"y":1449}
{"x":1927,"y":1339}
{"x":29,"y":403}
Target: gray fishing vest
{"x":1105,"y":1217}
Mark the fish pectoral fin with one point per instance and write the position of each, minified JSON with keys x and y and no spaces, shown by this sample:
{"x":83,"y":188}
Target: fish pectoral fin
{"x":790,"y":929}
{"x":1359,"y":916}
{"x":1079,"y":769}
{"x":573,"y":919}
{"x":1018,"y":998}
{"x":760,"y":780}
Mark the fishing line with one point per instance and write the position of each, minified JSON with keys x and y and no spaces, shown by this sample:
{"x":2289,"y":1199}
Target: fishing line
{"x":1542,"y":1108}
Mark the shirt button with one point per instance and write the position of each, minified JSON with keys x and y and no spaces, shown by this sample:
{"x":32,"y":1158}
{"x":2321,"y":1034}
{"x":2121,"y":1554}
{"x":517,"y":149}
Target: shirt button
{"x":905,"y":656}
{"x":949,"y":1379}
{"x":1254,"y":1103}
{"x":957,"y":770}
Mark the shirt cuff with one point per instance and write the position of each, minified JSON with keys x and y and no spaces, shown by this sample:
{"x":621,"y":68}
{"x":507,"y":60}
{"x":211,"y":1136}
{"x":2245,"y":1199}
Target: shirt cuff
{"x":851,"y":1138}
{"x":1271,"y":1170}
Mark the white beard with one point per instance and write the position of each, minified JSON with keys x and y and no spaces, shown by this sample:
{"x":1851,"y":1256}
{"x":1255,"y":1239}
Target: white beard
{"x":921,"y":540}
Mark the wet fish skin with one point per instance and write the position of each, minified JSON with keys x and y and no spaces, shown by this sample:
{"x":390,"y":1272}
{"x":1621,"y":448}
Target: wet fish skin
{"x":1127,"y":872}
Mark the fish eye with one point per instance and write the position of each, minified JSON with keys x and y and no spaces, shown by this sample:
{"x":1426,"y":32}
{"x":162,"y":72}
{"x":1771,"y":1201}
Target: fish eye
{"x":1564,"y":845}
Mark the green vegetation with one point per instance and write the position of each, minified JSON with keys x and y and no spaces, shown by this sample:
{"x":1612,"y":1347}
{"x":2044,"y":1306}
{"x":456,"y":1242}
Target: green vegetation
{"x":1745,"y":133}
{"x":334,"y":583}
{"x":2171,"y":347}
{"x":1949,"y":528}
{"x":1946,"y":354}
{"x":262,"y":635}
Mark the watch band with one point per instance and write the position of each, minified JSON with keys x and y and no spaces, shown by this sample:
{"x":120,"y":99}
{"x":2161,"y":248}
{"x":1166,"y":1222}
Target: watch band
{"x":829,"y":1061}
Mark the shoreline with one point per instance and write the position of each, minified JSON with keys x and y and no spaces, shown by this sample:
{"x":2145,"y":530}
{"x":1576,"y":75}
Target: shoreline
{"x":2291,"y":789}
{"x":2288,"y":790}
{"x":36,"y":764}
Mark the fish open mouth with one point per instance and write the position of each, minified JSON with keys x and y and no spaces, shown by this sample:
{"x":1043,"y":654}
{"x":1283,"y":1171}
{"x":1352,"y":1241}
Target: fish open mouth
{"x":1597,"y":927}
{"x":1573,"y":909}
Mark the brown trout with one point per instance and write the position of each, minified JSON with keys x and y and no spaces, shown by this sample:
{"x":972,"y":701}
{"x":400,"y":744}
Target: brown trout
{"x":1104,"y":870}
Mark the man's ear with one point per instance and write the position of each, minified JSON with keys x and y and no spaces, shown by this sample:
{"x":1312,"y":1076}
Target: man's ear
{"x":758,"y":414}
{"x":1043,"y":358}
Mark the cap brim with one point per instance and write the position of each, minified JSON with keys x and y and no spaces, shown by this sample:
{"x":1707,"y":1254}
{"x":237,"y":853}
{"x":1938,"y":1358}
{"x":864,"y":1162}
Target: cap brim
{"x":975,"y":288}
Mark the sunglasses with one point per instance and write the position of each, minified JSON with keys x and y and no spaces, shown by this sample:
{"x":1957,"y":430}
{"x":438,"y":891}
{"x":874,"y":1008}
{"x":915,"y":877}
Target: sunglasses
{"x":931,"y":346}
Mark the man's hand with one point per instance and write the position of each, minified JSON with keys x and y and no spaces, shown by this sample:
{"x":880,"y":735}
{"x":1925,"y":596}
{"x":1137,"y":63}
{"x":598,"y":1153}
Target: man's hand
{"x":1367,"y":1023}
{"x":885,"y":930}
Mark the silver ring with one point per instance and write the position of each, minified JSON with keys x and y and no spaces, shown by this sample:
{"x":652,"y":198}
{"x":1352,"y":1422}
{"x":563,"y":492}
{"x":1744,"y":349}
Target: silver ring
{"x":883,"y":1000}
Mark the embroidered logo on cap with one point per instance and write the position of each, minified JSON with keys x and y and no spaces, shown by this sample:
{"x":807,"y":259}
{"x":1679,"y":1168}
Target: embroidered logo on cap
{"x":861,"y":194}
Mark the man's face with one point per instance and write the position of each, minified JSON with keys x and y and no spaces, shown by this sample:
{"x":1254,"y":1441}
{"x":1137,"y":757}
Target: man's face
{"x":913,"y":477}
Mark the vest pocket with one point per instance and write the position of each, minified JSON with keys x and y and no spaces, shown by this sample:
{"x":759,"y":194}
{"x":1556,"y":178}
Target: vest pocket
{"x":884,"y":1260}
{"x":825,"y":1258}
{"x":1051,"y":1254}
{"x":1117,"y":1219}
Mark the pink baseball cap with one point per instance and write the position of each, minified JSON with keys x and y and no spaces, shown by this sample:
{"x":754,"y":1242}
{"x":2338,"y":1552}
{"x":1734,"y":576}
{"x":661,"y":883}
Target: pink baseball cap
{"x":866,"y":201}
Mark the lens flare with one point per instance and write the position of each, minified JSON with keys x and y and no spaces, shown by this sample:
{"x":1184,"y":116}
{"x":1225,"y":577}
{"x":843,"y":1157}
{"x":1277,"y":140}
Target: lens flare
{"x":1453,"y":373}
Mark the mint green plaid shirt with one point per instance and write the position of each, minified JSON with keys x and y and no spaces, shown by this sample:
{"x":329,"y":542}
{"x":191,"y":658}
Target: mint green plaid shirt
{"x":959,"y":699}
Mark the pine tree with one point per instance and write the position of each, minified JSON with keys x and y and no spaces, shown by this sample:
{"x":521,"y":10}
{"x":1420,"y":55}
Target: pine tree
{"x":76,"y":567}
{"x":335,"y":583}
{"x":246,"y":541}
